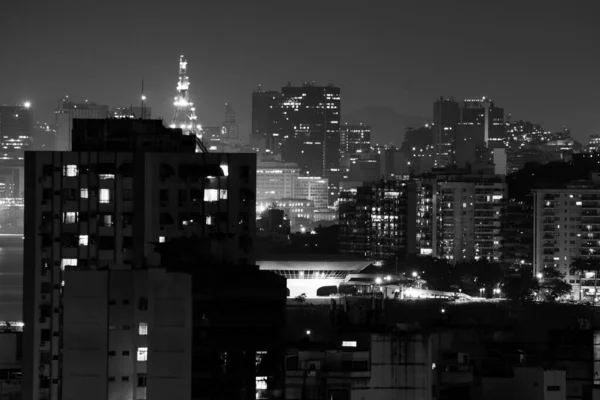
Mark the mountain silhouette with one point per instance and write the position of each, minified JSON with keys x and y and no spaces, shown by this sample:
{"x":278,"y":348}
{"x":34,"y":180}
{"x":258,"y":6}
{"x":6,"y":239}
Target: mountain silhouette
{"x":387,"y":125}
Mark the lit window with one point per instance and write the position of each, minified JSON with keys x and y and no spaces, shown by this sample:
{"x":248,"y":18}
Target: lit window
{"x":225,"y":169}
{"x":83,"y":240}
{"x":68,"y":262}
{"x":211,"y":195}
{"x":223,"y":194}
{"x":70,"y":170}
{"x":142,"y":354}
{"x":349,"y":344}
{"x":70,"y":217}
{"x":107,"y":220}
{"x":105,"y":196}
{"x":83,"y":193}
{"x":208,"y":220}
{"x":161,"y":239}
{"x":143,"y":328}
{"x":106,"y":176}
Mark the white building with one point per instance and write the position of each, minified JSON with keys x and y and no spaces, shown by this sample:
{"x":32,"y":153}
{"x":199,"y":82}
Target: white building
{"x":313,"y":188}
{"x":567,"y":227}
{"x":276,"y":180}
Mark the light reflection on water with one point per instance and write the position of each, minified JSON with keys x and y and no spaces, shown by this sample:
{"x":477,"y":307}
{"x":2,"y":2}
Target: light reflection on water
{"x":11,"y":277}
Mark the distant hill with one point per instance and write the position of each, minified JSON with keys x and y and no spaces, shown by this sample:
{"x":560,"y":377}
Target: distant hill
{"x":387,"y":125}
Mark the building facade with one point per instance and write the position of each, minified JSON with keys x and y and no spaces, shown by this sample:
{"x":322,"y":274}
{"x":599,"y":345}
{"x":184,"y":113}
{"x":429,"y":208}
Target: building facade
{"x":460,"y":216}
{"x":125,"y":334}
{"x":276,"y":180}
{"x":16,"y":131}
{"x":311,"y":118}
{"x":66,"y":112}
{"x":126,"y":185}
{"x":378,"y":220}
{"x":355,"y":138}
{"x":267,"y":121}
{"x":313,"y":188}
{"x":566,"y":228}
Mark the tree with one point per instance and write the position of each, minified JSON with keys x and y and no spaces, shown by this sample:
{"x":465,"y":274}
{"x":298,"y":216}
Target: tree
{"x":521,"y":285}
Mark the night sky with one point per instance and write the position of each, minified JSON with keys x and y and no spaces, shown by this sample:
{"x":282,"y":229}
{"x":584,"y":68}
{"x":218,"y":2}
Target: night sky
{"x":537,"y":59}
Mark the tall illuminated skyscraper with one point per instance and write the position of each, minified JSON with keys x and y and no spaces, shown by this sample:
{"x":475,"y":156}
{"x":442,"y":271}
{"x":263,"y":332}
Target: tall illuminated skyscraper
{"x":311,"y":127}
{"x":446,"y":116}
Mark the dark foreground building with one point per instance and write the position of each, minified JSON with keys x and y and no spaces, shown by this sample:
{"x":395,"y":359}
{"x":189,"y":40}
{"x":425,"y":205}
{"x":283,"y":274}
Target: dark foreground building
{"x":94,"y":216}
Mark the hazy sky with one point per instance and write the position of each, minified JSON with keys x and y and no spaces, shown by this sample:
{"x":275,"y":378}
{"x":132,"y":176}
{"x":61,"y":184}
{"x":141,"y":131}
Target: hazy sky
{"x":539,"y":60}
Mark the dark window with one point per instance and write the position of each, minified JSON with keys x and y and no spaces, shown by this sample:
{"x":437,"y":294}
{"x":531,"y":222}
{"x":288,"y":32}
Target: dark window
{"x":111,"y":378}
{"x":112,"y":353}
{"x":126,"y":301}
{"x":112,"y":302}
{"x":127,"y":194}
{"x":106,"y":243}
{"x":125,"y":379}
{"x":126,"y":327}
{"x":163,"y":195}
{"x":142,"y":380}
{"x":553,"y":388}
{"x":125,"y":352}
{"x":143,"y":303}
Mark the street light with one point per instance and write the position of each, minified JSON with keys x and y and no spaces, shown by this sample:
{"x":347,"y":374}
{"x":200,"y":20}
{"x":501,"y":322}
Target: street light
{"x":308,"y":332}
{"x":414,"y":274}
{"x":539,"y":275}
{"x":378,"y":281}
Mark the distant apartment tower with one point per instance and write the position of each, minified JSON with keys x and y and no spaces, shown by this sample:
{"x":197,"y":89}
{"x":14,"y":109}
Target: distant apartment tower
{"x":313,"y":188}
{"x":267,"y":121}
{"x":484,"y":113}
{"x":125,"y":334}
{"x":66,"y":112}
{"x":379,"y":220}
{"x":446,"y":116}
{"x":80,"y":216}
{"x":16,"y":131}
{"x":567,"y":227}
{"x":355,"y":138}
{"x":459,"y":216}
{"x":311,"y":118}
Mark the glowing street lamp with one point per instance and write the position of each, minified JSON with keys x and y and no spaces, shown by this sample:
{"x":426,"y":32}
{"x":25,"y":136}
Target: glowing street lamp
{"x":27,"y":104}
{"x":414,"y":274}
{"x":378,"y":281}
{"x":539,"y":275}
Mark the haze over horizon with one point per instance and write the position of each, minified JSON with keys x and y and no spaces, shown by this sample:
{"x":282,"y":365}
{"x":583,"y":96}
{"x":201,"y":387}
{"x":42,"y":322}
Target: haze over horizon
{"x":535,"y":59}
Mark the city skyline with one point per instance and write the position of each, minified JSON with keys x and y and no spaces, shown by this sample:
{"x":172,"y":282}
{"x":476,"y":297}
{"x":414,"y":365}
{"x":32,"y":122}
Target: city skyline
{"x":265,"y":45}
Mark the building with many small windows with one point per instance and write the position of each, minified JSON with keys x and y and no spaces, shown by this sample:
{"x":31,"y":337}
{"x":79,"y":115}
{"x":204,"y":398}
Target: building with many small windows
{"x":566,"y":228}
{"x":276,"y":180}
{"x":378,"y":221}
{"x":459,"y":216}
{"x":127,"y":185}
{"x":313,"y":188}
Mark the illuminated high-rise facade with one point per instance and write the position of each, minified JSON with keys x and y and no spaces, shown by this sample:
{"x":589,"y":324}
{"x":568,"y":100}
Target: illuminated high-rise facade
{"x":267,"y":121}
{"x":446,"y":116}
{"x":16,"y":131}
{"x":311,"y":119}
{"x":355,"y":138}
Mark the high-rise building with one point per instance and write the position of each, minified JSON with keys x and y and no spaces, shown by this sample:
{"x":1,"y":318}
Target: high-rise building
{"x":124,"y":334}
{"x":446,"y":116}
{"x":379,"y":220}
{"x":267,"y":121}
{"x":311,"y":118}
{"x":484,"y":113}
{"x":459,"y":216}
{"x":355,"y":138}
{"x":313,"y":188}
{"x":80,"y":216}
{"x":16,"y":131}
{"x":66,"y":112}
{"x":567,"y":227}
{"x":276,"y":180}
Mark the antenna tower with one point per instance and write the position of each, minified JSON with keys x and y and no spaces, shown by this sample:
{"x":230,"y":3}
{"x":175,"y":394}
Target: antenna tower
{"x":185,"y":113}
